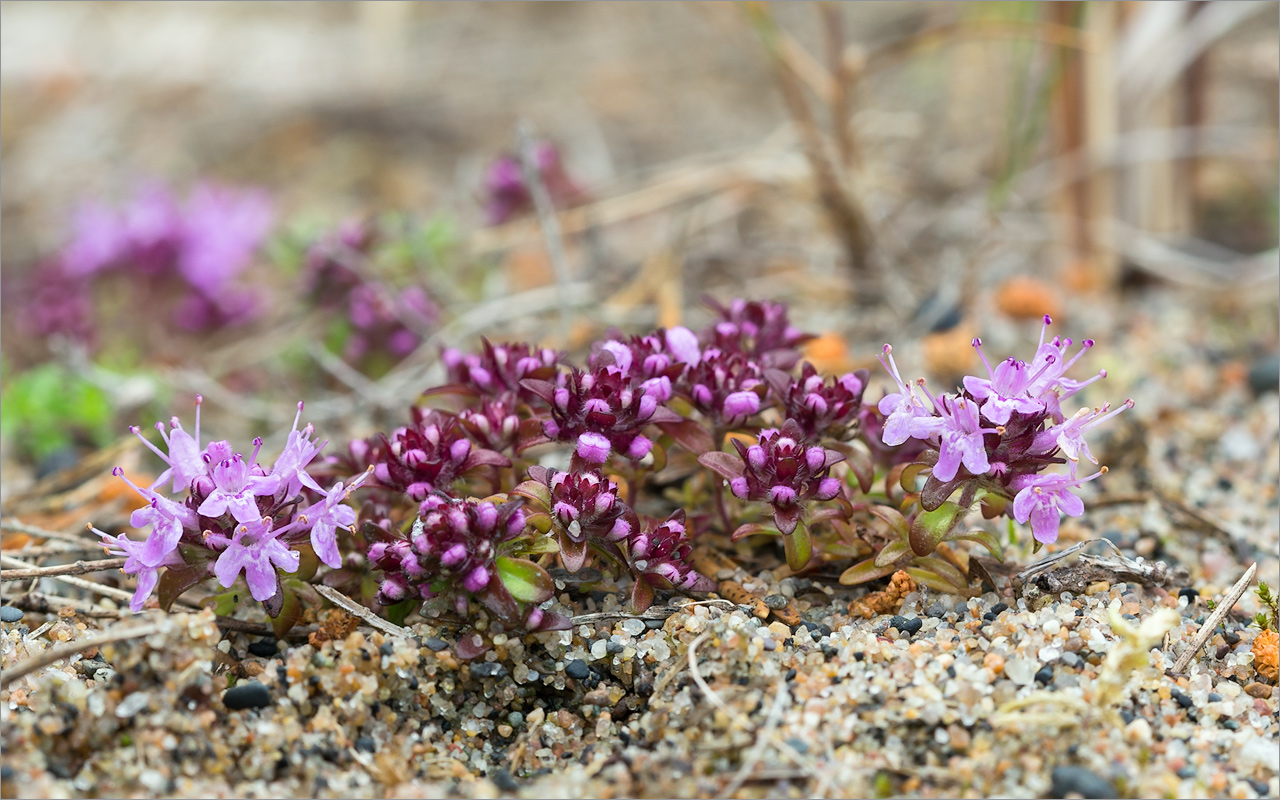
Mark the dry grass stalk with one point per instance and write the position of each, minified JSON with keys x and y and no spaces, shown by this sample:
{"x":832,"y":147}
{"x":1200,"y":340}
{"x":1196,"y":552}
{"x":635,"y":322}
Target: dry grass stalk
{"x":77,"y":568}
{"x":1224,"y":607}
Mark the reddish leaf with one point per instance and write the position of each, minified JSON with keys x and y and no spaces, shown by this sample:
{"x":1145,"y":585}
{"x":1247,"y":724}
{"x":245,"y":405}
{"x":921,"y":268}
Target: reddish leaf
{"x":724,"y":464}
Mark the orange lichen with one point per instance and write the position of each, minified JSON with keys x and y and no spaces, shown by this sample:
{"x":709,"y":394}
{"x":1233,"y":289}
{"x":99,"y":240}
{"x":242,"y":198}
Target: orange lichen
{"x":886,"y":601}
{"x":1266,"y":655}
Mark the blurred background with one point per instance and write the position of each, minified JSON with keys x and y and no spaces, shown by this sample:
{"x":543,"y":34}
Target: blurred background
{"x":271,"y":202}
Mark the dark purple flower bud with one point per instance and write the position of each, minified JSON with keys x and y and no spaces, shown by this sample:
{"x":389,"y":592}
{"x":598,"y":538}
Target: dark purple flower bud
{"x":600,"y":411}
{"x":498,"y":369}
{"x":431,"y":454}
{"x":585,"y":505}
{"x":451,"y":551}
{"x":759,"y":330}
{"x":782,"y":471}
{"x":719,"y":385}
{"x":818,"y":407}
{"x":659,"y":556}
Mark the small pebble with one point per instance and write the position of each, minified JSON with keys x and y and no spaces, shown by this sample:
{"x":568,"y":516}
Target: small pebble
{"x":490,"y":669}
{"x":263,"y":648}
{"x":635,"y":627}
{"x":999,"y":608}
{"x":1071,"y":660}
{"x":1214,"y":697}
{"x":1258,"y":786}
{"x":10,"y":614}
{"x":1264,"y":374}
{"x":1182,"y":699}
{"x":503,"y":780}
{"x":1187,"y":772}
{"x":366,"y":744}
{"x":1231,"y":724}
{"x":776,"y":602}
{"x":1020,"y":670}
{"x":695,"y":624}
{"x":937,"y":610}
{"x":1045,"y":675}
{"x":1259,"y":690}
{"x":246,"y":695}
{"x":613,"y":648}
{"x":1081,"y":781}
{"x":769,"y":644}
{"x":577,"y":669}
{"x":436,"y":645}
{"x":387,"y":648}
{"x":1189,"y":593}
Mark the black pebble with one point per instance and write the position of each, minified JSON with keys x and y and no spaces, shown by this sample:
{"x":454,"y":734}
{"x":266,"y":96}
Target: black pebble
{"x":10,"y":614}
{"x":436,"y":645}
{"x":791,"y":674}
{"x":387,"y":648}
{"x":775,"y":601}
{"x":1232,"y":638}
{"x":613,"y":648}
{"x":246,"y":695}
{"x":898,"y":622}
{"x":1214,"y":697}
{"x":1231,"y":724}
{"x":654,"y":624}
{"x":263,"y":648}
{"x":809,"y":626}
{"x":829,"y":652}
{"x":1081,"y":781}
{"x":577,"y":668}
{"x":1260,"y":787}
{"x":489,"y":670}
{"x":1045,"y":675}
{"x":6,"y":772}
{"x":816,"y":635}
{"x":1189,"y":593}
{"x":999,"y":608}
{"x":911,"y":626}
{"x":990,"y":616}
{"x":858,"y":656}
{"x":1183,"y":700}
{"x":1187,"y":772}
{"x":1126,"y":715}
{"x":366,"y":743}
{"x":503,"y":780}
{"x":1264,"y":375}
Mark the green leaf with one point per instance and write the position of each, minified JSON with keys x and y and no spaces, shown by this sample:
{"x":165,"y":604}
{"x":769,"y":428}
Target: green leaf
{"x":897,"y":523}
{"x":945,"y":569}
{"x":290,"y":612}
{"x":984,"y":538}
{"x":753,"y":529}
{"x":931,"y":579}
{"x":535,"y":491}
{"x":526,"y":581}
{"x":865,"y":571}
{"x":931,"y":527}
{"x":890,"y":553}
{"x":223,"y":604}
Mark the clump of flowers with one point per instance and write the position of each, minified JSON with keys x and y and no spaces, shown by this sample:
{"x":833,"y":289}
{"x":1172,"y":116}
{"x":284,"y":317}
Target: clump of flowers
{"x":381,"y":321}
{"x":427,"y":456}
{"x":990,"y":443}
{"x":230,"y":515}
{"x":461,"y":549}
{"x":203,"y":245}
{"x":658,"y":557}
{"x":507,"y":196}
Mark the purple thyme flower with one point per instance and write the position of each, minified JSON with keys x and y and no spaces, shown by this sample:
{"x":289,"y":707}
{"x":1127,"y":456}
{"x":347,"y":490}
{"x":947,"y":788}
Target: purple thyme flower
{"x":961,"y":439}
{"x":647,"y":359}
{"x":507,"y":194}
{"x":326,"y":516}
{"x":98,"y":241}
{"x":1040,"y":498}
{"x":255,"y":549}
{"x":237,"y":487}
{"x":907,"y":417}
{"x":290,"y":466}
{"x":138,"y":563}
{"x":495,"y":424}
{"x":221,"y":229}
{"x":1049,"y":366}
{"x":1008,"y":389}
{"x":585,"y":505}
{"x":1069,"y":435}
{"x":185,"y":458}
{"x":166,"y":518}
{"x":782,"y":471}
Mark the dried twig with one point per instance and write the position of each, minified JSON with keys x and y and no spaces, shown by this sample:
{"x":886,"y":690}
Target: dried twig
{"x":346,"y":603}
{"x":77,"y":568}
{"x":18,"y":526}
{"x":96,"y":588}
{"x":1206,"y":630}
{"x":54,"y":654}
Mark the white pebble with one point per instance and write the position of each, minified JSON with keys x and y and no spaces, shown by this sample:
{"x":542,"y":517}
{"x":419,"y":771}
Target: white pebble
{"x":1052,"y":627}
{"x":635,"y":627}
{"x":694,"y":624}
{"x":599,"y":649}
{"x":1020,"y":670}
